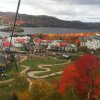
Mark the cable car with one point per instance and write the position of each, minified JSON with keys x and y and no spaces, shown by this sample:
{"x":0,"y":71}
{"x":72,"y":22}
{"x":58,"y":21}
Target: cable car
{"x":2,"y":63}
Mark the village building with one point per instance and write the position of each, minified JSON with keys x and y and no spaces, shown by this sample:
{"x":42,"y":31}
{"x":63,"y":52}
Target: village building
{"x":71,"y":47}
{"x":91,"y":42}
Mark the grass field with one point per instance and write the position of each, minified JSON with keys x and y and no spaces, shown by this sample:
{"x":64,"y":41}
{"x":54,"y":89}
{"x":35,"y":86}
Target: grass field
{"x":33,"y":64}
{"x":41,"y":60}
{"x":8,"y":88}
{"x":53,"y":69}
{"x":11,"y":71}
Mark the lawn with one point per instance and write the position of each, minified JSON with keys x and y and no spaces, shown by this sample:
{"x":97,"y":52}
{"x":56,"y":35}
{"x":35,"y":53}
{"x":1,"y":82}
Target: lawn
{"x":54,"y":78}
{"x":11,"y":71}
{"x":41,"y":60}
{"x":7,"y":87}
{"x":33,"y":64}
{"x":53,"y":69}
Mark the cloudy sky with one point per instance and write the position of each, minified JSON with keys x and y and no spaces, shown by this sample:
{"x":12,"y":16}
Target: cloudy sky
{"x":83,"y":10}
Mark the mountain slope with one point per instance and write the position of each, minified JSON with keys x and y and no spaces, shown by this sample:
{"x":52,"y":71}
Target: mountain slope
{"x":42,"y":21}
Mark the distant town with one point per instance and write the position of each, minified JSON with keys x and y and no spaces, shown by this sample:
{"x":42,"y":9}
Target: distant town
{"x":67,"y":46}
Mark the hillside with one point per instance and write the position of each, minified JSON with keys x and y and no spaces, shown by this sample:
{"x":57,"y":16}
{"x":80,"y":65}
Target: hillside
{"x":6,"y":18}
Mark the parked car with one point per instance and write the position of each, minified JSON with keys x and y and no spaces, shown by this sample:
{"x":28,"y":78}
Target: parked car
{"x":66,"y":56}
{"x":22,"y":52}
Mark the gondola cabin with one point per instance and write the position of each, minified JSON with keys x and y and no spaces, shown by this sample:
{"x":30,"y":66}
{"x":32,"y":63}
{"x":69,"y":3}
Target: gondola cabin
{"x":2,"y":63}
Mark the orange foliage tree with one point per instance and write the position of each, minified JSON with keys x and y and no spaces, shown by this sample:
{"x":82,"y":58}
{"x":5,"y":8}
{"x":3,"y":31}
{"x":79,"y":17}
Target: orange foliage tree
{"x":42,"y":90}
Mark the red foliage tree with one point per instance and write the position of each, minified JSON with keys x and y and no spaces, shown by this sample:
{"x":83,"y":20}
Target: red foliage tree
{"x":83,"y":75}
{"x":77,"y":42}
{"x":46,"y":37}
{"x":67,"y":79}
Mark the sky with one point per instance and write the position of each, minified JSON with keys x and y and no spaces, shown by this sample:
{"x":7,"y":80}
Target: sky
{"x":78,"y":10}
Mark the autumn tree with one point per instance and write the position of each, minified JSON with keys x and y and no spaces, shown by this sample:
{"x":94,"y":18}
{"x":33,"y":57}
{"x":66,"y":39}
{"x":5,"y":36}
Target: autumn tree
{"x":83,"y":75}
{"x":21,"y":85}
{"x":88,"y":68}
{"x":42,"y":90}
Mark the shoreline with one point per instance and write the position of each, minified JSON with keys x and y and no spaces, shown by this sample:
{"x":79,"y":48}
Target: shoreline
{"x":48,"y":30}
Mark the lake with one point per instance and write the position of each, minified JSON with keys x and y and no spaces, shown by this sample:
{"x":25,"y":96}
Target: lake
{"x":48,"y":30}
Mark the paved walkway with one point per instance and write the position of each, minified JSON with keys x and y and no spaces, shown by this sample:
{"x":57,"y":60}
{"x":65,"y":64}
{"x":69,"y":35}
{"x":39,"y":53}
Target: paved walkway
{"x":10,"y":80}
{"x":6,"y":81}
{"x":33,"y":74}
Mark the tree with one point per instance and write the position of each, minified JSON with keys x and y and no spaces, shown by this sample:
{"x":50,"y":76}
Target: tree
{"x":67,"y":79}
{"x":42,"y":90}
{"x":88,"y":68}
{"x":83,"y":75}
{"x":6,"y":96}
{"x":77,"y":42}
{"x":25,"y":95}
{"x":21,"y":85}
{"x":14,"y":96}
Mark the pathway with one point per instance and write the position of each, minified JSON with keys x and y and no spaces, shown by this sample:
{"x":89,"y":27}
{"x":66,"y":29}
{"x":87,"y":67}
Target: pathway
{"x":33,"y":74}
{"x":10,"y":80}
{"x":6,"y":81}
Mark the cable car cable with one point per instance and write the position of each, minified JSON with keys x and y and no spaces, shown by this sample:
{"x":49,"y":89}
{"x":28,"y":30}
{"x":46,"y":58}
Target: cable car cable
{"x":15,"y":19}
{"x":14,"y":22}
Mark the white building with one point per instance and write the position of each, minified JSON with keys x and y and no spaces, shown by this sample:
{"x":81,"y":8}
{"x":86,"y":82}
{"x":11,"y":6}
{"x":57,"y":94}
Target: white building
{"x":91,"y":42}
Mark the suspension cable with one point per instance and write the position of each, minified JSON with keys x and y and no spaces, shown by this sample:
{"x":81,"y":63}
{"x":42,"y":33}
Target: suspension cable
{"x":15,"y":19}
{"x":14,"y":24}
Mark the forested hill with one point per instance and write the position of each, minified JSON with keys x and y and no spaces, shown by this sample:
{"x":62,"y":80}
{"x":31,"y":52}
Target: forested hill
{"x":43,"y":21}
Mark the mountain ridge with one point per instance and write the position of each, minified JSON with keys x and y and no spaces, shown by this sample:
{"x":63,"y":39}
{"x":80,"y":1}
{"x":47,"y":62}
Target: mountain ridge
{"x":25,"y":20}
